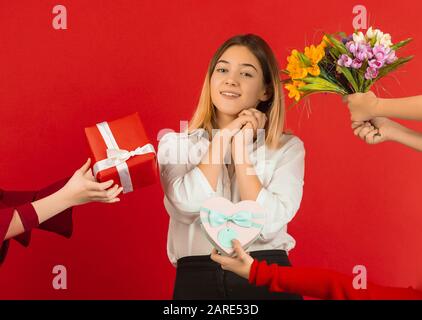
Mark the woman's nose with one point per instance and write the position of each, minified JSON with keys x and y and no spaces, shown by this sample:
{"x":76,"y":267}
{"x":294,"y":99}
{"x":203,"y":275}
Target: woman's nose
{"x":231,"y":82}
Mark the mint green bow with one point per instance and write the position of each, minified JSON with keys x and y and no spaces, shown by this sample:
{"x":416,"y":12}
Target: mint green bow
{"x":241,"y":218}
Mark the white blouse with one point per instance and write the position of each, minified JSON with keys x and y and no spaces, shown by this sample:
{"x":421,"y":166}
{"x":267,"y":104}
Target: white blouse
{"x":280,"y":172}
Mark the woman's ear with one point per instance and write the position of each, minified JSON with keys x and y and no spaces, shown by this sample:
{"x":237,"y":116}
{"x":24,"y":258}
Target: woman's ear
{"x":266,"y":94}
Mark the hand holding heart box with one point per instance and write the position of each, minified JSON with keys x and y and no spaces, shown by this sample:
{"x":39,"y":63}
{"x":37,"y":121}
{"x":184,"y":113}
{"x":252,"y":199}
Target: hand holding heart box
{"x":223,"y":221}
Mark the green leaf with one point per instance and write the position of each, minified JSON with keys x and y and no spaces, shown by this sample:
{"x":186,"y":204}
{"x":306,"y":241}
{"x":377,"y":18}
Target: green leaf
{"x":319,"y":80}
{"x":334,"y":54}
{"x":401,"y":44}
{"x":348,"y":75}
{"x":313,"y":88}
{"x":320,"y":84}
{"x":367,"y":85}
{"x":304,"y":59}
{"x":341,"y":48}
{"x":394,"y":66}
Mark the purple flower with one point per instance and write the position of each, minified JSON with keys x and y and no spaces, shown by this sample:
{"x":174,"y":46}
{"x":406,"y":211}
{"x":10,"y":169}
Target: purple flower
{"x":352,"y":47}
{"x":380,"y":52}
{"x":384,"y":55}
{"x":344,"y":61}
{"x":391,"y":57}
{"x":363,"y":52}
{"x":374,"y":63}
{"x":370,"y":53}
{"x":371,"y":73}
{"x":356,"y":63}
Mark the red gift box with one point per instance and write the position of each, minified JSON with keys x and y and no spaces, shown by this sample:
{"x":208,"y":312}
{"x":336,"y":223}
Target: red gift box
{"x":121,"y":151}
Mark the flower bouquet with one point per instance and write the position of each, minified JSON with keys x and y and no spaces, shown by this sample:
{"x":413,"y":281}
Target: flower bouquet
{"x":343,"y":65}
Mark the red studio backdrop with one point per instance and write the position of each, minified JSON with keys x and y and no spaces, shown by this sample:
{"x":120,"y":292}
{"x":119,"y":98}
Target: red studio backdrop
{"x":360,"y":205}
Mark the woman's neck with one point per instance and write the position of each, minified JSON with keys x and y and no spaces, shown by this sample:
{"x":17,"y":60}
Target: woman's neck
{"x":223,"y":120}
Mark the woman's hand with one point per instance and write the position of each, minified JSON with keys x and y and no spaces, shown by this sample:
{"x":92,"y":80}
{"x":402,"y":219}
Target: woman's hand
{"x":244,"y":138}
{"x":239,"y":123}
{"x":362,"y":106}
{"x":261,"y":118}
{"x":82,"y":188}
{"x":240,"y":264}
{"x":376,"y":131}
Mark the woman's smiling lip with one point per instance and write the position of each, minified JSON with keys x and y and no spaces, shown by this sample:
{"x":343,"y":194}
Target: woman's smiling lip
{"x":230,"y":94}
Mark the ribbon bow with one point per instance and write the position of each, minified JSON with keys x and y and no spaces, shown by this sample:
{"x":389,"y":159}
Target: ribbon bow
{"x":242,"y":218}
{"x":117,"y":156}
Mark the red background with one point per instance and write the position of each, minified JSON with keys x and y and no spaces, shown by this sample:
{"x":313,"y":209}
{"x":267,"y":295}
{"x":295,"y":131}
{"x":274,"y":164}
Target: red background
{"x":361,"y":203}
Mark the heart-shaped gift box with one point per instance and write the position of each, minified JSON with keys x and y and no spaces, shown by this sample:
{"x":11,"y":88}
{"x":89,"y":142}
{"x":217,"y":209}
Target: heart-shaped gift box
{"x":223,"y":221}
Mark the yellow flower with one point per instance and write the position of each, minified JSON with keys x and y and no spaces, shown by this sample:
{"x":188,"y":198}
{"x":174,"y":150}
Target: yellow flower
{"x":315,"y":54}
{"x":298,"y":73}
{"x":293,"y":89}
{"x":325,"y":41}
{"x":295,"y":67}
{"x":314,"y":70}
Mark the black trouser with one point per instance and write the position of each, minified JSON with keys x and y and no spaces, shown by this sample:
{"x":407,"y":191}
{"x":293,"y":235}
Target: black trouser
{"x":198,"y":277}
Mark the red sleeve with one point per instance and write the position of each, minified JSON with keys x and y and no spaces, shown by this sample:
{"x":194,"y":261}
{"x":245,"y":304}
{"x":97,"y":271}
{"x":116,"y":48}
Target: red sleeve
{"x":5,"y":218}
{"x":21,"y":202}
{"x":61,"y":223}
{"x":322,"y":284}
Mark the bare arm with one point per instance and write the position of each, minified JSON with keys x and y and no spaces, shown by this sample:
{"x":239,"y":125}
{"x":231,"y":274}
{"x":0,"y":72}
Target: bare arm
{"x":409,"y":138}
{"x":45,"y":208}
{"x":366,"y":106}
{"x":80,"y":189}
{"x":409,"y":108}
{"x":246,"y":178}
{"x":382,"y":129}
{"x":213,"y":160}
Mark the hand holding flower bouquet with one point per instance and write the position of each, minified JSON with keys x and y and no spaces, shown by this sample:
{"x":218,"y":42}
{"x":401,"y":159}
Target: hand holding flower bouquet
{"x":345,"y":66}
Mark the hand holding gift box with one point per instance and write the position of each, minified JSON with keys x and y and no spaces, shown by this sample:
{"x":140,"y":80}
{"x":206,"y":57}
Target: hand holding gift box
{"x":223,"y":221}
{"x":122,"y":151}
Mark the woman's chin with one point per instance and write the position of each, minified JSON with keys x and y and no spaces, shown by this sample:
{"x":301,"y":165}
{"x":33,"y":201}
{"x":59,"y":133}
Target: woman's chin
{"x":231,"y":112}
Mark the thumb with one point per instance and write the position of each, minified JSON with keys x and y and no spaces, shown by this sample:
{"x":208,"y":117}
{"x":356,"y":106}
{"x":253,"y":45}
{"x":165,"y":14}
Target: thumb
{"x":237,"y":247}
{"x":86,"y":165}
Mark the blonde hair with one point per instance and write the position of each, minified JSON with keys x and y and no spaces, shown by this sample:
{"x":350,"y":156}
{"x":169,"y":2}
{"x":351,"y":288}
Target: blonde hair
{"x":205,"y":116}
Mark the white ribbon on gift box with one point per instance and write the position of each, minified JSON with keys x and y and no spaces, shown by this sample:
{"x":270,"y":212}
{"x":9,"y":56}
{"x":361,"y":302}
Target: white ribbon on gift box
{"x":117,"y":157}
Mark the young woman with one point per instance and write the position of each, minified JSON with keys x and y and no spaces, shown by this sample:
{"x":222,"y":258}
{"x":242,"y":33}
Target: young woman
{"x":311,"y":282}
{"x":370,"y":116}
{"x":50,"y":208}
{"x":220,"y":155}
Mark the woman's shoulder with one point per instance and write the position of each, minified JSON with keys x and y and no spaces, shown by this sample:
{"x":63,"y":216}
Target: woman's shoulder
{"x":182,"y":145}
{"x":173,"y":136}
{"x":288,"y":141}
{"x":290,"y":146}
{"x":287,"y":144}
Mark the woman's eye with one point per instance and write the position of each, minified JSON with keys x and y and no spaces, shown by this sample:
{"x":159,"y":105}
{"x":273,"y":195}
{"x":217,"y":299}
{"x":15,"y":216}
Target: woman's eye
{"x":221,"y":70}
{"x":247,"y":74}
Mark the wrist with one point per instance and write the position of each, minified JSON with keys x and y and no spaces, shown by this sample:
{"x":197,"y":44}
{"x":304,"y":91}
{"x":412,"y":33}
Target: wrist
{"x":395,"y":132}
{"x":65,"y":197}
{"x":378,"y":109}
{"x":227,"y":132}
{"x":241,"y":153}
{"x":399,"y":134}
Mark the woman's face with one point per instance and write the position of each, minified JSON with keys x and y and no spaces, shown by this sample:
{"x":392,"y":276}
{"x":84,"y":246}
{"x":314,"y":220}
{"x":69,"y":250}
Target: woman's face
{"x":237,"y":81}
